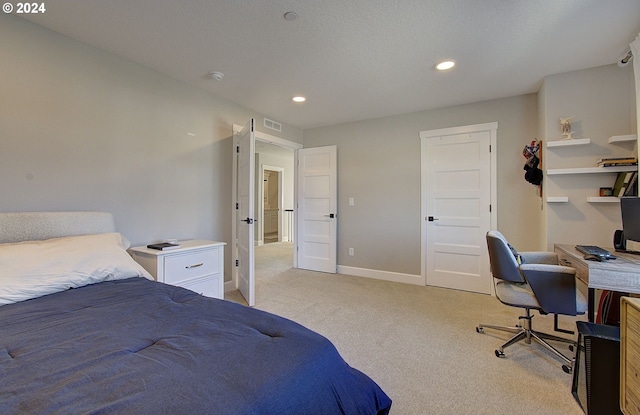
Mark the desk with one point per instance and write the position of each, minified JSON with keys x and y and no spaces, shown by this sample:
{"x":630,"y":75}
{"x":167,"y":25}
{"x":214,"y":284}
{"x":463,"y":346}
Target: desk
{"x":622,"y":274}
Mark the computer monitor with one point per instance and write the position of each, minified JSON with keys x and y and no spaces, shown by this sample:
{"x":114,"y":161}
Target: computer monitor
{"x":630,"y":209}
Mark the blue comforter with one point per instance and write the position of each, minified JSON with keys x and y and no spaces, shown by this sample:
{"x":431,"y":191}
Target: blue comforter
{"x":139,"y":347}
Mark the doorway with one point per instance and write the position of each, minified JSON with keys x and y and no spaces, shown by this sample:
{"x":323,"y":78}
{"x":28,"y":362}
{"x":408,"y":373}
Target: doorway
{"x":271,"y":205}
{"x":275,"y":193}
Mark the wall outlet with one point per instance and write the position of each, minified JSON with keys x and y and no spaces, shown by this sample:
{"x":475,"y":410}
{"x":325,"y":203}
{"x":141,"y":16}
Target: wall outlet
{"x":350,"y":251}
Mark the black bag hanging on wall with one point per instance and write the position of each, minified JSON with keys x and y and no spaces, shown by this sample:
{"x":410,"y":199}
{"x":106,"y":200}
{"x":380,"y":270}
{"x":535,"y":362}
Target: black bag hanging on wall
{"x":532,"y":174}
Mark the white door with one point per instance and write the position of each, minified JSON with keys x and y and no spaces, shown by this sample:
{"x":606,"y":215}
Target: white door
{"x":245,"y":219}
{"x":457,"y":206}
{"x":317,"y":209}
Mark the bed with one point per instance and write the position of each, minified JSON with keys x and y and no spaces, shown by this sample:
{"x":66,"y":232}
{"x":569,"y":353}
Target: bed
{"x":85,"y":330}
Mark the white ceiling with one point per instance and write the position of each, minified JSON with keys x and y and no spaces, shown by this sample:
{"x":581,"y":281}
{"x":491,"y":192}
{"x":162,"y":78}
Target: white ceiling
{"x":354,"y":59}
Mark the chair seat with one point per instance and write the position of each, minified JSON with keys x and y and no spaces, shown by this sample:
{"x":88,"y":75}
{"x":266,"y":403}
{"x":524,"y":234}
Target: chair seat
{"x":521,"y":295}
{"x":515,"y":294}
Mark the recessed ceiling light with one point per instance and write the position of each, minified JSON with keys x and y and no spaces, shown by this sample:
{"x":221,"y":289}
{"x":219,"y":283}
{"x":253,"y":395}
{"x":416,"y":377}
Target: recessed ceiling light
{"x":299,"y":99}
{"x":443,"y":66}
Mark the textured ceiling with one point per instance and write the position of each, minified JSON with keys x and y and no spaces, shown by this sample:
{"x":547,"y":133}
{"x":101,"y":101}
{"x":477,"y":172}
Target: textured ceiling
{"x":354,"y":59}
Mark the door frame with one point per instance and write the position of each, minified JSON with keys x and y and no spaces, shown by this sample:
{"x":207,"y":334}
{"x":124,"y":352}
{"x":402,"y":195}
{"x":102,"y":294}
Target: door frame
{"x":269,"y":139}
{"x":465,"y":129}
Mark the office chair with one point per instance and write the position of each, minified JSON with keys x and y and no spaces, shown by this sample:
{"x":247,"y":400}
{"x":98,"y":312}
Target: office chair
{"x":532,"y":281}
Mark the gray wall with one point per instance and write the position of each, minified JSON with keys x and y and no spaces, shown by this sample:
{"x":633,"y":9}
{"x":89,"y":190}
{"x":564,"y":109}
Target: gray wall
{"x":379,"y":166}
{"x":82,"y":129}
{"x":602,"y":103}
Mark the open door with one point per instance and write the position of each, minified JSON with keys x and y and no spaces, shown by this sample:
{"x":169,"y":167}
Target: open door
{"x":245,"y":228}
{"x":317,"y":209}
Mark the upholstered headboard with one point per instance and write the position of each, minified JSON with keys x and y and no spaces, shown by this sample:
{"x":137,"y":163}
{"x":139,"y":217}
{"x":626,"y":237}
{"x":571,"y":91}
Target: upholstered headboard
{"x":34,"y":226}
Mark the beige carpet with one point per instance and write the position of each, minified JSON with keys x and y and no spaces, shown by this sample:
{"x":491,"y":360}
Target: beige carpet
{"x":419,"y":343}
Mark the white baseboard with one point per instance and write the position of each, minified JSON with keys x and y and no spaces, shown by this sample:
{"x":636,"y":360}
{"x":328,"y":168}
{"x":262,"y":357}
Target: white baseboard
{"x":360,"y":272}
{"x":381,"y":275}
{"x":230,"y":286}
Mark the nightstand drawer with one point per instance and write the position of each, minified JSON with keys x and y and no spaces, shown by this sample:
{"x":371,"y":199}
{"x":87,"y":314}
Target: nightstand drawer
{"x":209,"y":286}
{"x":190,"y":265}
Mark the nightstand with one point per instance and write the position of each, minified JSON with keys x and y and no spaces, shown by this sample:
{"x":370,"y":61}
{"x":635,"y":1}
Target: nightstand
{"x":197,"y":265}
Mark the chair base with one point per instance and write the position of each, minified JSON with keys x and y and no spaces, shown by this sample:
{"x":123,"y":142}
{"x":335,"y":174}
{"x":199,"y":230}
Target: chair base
{"x":524,"y":332}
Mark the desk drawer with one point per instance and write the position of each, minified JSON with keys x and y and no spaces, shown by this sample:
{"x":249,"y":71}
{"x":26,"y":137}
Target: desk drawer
{"x":190,"y":265}
{"x":582,"y":271}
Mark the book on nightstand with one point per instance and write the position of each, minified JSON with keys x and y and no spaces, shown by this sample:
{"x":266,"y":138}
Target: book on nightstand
{"x":163,"y":246}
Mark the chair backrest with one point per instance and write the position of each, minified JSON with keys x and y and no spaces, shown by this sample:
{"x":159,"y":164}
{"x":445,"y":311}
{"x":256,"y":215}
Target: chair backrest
{"x":503,"y":263}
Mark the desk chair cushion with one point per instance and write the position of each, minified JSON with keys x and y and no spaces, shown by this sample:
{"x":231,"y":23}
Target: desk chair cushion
{"x":515,"y":294}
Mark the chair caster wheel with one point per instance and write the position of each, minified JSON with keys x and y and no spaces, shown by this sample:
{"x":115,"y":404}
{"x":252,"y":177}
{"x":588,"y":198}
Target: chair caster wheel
{"x":499,"y":353}
{"x":567,"y":369}
{"x":479,"y":330}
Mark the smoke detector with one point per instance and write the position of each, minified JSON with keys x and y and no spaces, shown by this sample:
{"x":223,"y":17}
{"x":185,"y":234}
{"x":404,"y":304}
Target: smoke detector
{"x":216,"y":75}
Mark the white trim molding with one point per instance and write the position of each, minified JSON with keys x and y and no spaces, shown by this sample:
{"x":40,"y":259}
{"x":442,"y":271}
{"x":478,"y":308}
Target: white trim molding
{"x":381,"y":275}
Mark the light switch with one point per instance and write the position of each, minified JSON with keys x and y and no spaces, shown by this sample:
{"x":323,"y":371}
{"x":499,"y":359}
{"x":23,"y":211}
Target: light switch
{"x":352,"y":202}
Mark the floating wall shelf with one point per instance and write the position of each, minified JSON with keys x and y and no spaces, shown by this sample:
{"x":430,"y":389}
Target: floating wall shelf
{"x":569,"y":142}
{"x":557,"y":199}
{"x":603,"y":199}
{"x":622,"y":138}
{"x":586,"y":170}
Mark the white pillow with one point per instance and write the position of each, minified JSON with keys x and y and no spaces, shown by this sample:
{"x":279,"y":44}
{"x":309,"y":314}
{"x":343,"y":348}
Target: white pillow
{"x":36,"y":268}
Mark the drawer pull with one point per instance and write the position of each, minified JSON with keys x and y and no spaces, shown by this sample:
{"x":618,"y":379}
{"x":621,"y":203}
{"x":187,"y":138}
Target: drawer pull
{"x":565,"y":262}
{"x":194,"y":265}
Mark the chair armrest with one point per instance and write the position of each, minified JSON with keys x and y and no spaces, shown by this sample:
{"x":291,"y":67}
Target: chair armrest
{"x":554,"y":287}
{"x":540,"y":257}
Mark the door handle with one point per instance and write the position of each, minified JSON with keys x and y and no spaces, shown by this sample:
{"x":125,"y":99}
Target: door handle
{"x":431,"y":218}
{"x":330,"y":215}
{"x":248,"y":220}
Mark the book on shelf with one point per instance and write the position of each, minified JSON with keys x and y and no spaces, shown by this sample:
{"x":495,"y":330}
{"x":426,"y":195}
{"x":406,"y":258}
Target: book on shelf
{"x":163,"y":246}
{"x":622,"y":181}
{"x":617,"y":161}
{"x":632,"y":186}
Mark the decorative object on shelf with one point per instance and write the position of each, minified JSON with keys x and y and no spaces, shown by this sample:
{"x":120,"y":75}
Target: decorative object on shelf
{"x":606,"y":191}
{"x":533,"y":173}
{"x":565,"y":127}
